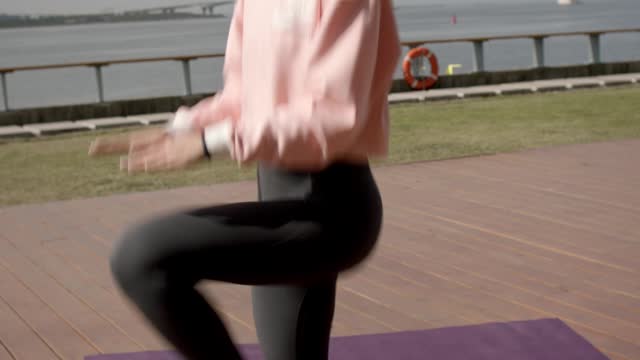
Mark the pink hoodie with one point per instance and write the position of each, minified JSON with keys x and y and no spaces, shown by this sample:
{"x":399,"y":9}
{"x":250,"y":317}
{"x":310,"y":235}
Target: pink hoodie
{"x":306,"y":83}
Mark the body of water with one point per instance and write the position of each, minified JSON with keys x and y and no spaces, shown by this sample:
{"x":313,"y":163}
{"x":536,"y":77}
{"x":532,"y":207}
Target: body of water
{"x":417,"y":20}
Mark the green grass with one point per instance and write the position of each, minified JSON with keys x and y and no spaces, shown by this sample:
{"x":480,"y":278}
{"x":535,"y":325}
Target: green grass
{"x":57,"y":168}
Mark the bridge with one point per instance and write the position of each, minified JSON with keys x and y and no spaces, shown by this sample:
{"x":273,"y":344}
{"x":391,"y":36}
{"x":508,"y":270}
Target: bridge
{"x":206,"y":7}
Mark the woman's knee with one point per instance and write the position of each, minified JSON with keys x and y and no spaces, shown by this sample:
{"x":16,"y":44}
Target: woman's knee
{"x":131,"y":261}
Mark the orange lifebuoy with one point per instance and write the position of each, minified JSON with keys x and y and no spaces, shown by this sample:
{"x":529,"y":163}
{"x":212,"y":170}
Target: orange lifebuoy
{"x":420,"y":82}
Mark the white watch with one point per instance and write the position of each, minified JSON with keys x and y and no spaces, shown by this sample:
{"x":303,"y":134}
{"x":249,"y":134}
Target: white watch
{"x":217,"y":137}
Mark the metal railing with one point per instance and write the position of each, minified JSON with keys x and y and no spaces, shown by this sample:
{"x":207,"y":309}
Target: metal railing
{"x":478,"y":56}
{"x":98,"y":65}
{"x":595,"y":49}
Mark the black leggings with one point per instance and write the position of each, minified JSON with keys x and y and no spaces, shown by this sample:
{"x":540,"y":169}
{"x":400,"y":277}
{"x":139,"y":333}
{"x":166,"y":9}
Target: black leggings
{"x":291,"y":246}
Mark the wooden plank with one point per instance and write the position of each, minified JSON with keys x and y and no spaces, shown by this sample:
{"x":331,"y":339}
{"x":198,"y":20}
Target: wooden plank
{"x":100,"y":295}
{"x":428,"y":300}
{"x":588,"y":182}
{"x":457,"y":181}
{"x":85,"y":262}
{"x":614,"y":356}
{"x":567,"y":262}
{"x":356,"y":298}
{"x":494,"y":296}
{"x":488,"y":173}
{"x":5,"y":352}
{"x":19,"y":340}
{"x":93,"y":327}
{"x":607,"y":343}
{"x":476,"y":302}
{"x":508,"y":290}
{"x":587,"y":170}
{"x":107,"y":302}
{"x":551,"y":234}
{"x":507,"y":241}
{"x":59,"y":336}
{"x":576,"y":219}
{"x":601,"y":223}
{"x":127,"y":328}
{"x":416,"y":309}
{"x":471,"y":170}
{"x":537,"y":241}
{"x":358,"y":320}
{"x":527,"y":275}
{"x":610,"y":155}
{"x":545,"y":275}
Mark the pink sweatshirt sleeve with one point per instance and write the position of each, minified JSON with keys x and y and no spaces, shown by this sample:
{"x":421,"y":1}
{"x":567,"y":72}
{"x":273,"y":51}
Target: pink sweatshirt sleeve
{"x":316,"y":125}
{"x":224,"y":105}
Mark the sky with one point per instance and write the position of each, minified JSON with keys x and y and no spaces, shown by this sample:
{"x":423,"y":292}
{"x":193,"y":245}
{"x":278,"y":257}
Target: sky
{"x":89,"y":6}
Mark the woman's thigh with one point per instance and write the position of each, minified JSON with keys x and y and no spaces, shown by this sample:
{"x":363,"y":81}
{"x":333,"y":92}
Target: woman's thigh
{"x":254,"y":243}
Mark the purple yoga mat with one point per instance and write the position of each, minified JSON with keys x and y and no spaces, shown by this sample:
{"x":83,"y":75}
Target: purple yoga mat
{"x":545,"y":339}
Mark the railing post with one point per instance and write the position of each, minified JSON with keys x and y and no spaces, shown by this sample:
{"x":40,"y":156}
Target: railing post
{"x":538,"y":52}
{"x":594,"y":42}
{"x":186,"y":69}
{"x":478,"y":56}
{"x":5,"y":95}
{"x":99,"y":81}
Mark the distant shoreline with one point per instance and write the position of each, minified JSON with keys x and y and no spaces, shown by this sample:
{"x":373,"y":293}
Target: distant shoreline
{"x":7,"y":22}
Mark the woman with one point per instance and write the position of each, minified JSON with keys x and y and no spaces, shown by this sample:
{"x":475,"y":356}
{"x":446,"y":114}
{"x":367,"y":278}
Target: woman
{"x":305,"y":97}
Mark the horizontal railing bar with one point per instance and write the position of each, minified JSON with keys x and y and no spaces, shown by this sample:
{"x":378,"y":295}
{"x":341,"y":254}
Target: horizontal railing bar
{"x":111,"y":62}
{"x":413,"y":43}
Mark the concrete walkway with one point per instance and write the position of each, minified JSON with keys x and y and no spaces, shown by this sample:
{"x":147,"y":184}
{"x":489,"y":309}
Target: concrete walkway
{"x":44,"y":129}
{"x":528,"y":87}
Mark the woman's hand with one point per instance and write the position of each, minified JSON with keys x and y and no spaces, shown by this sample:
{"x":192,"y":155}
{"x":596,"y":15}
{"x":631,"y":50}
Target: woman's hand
{"x":170,"y":153}
{"x":122,"y":144}
{"x":151,"y":150}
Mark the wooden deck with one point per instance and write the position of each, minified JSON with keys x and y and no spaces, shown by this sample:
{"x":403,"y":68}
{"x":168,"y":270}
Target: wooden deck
{"x":544,"y":233}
